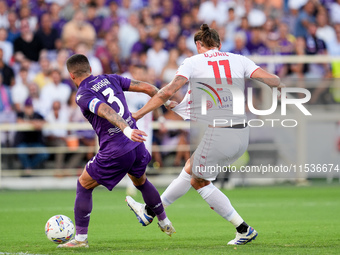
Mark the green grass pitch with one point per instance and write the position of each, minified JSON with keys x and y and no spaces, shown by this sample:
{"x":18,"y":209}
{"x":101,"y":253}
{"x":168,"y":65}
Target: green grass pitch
{"x":289,"y":219}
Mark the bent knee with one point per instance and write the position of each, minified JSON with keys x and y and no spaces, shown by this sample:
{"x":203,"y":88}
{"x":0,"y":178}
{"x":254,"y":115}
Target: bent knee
{"x":87,"y":182}
{"x":198,"y":183}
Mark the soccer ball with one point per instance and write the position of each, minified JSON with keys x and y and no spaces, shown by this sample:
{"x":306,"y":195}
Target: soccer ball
{"x":59,"y":229}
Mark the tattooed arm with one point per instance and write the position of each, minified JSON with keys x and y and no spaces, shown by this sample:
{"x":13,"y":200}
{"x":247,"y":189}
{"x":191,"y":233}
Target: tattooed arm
{"x":144,"y":87}
{"x":161,"y":97}
{"x":105,"y":111}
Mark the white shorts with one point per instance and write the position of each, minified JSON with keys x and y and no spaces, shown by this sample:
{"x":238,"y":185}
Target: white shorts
{"x":219,"y":147}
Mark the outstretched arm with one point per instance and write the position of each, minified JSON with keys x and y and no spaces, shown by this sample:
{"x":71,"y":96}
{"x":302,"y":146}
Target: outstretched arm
{"x":105,"y":111}
{"x":144,"y":87}
{"x":161,"y":97}
{"x":271,"y":80}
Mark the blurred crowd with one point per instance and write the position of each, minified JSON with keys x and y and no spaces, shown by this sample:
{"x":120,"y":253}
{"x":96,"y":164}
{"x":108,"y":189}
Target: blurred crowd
{"x":148,"y":39}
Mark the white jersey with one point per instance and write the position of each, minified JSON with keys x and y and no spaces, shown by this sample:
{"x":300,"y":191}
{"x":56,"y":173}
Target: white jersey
{"x":136,"y":101}
{"x":213,"y":75}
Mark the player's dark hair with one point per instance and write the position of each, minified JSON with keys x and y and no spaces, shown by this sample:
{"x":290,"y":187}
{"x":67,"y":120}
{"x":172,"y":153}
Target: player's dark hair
{"x":78,"y":64}
{"x":208,"y":37}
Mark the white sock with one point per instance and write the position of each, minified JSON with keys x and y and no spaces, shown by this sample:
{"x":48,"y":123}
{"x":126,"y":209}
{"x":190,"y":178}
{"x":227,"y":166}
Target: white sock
{"x":176,"y":189}
{"x":220,"y":203}
{"x":236,"y":220}
{"x":81,"y":237}
{"x":164,"y":222}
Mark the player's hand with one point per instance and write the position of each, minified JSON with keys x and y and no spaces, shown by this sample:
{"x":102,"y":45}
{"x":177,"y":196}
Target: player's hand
{"x":137,"y":135}
{"x":171,"y":105}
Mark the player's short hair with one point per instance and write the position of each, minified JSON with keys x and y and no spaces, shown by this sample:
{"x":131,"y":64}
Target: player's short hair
{"x":208,"y":37}
{"x":79,"y":65}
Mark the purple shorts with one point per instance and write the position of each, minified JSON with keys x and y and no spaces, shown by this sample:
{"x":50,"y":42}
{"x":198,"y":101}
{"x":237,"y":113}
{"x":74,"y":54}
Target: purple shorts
{"x":109,"y":172}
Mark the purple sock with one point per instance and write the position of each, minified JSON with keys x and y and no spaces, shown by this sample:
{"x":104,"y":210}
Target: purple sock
{"x":152,"y":199}
{"x":82,"y":208}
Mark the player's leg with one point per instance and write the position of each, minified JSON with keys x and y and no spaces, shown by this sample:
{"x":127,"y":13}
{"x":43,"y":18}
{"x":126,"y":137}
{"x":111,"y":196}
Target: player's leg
{"x":153,"y":201}
{"x":207,"y":158}
{"x":220,"y":203}
{"x":82,"y":210}
{"x":175,"y":190}
{"x":178,"y":187}
{"x":149,"y":192}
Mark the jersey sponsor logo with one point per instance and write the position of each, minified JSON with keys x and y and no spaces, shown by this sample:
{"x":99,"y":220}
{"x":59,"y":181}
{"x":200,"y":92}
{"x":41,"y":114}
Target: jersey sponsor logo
{"x":209,"y":93}
{"x":100,"y":84}
{"x":92,"y":104}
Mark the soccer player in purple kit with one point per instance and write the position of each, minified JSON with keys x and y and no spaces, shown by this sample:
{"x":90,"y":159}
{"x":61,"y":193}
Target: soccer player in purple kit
{"x":122,"y":151}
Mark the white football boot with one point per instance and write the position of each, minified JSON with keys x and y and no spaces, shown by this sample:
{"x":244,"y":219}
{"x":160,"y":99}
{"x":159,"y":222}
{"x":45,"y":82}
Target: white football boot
{"x":139,"y":210}
{"x":244,"y":238}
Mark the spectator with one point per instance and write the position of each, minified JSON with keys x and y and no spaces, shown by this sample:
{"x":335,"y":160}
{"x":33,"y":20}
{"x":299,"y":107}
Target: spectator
{"x":335,"y":12}
{"x":172,"y":36}
{"x":6,"y":71}
{"x":6,"y":46}
{"x":286,"y":46}
{"x":213,"y":10}
{"x":324,"y":31}
{"x":70,"y":10}
{"x":170,"y":69}
{"x":30,"y":139}
{"x":157,"y":56}
{"x":3,"y":15}
{"x":47,"y":34}
{"x":85,"y":137}
{"x":314,"y":45}
{"x":27,"y":45}
{"x":128,"y":35}
{"x":305,"y":17}
{"x":110,"y":20}
{"x":186,"y":25}
{"x":182,"y":7}
{"x":232,"y":24}
{"x":54,"y":91}
{"x":240,"y":44}
{"x":92,"y":17}
{"x":20,"y":91}
{"x":6,"y":99}
{"x":57,"y":21}
{"x":13,"y":30}
{"x":7,"y":115}
{"x":43,"y":77}
{"x":255,"y":45}
{"x":78,"y":30}
{"x":317,"y":72}
{"x":227,"y":44}
{"x":146,"y":19}
{"x":34,"y":94}
{"x":143,"y":44}
{"x":183,"y":50}
{"x":125,"y":10}
{"x":286,"y":40}
{"x":168,"y":11}
{"x":25,"y":13}
{"x":59,"y":63}
{"x":57,"y":137}
{"x":102,"y":10}
{"x":157,"y":26}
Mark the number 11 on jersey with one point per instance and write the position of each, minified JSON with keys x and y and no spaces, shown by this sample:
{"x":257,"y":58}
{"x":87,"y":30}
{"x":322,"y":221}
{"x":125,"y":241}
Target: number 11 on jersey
{"x":215,"y":66}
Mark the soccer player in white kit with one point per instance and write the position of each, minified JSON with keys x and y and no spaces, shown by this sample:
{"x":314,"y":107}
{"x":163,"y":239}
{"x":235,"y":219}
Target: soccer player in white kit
{"x":221,"y":144}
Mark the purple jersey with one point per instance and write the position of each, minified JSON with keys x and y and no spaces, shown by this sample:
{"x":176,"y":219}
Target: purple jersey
{"x":92,"y":92}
